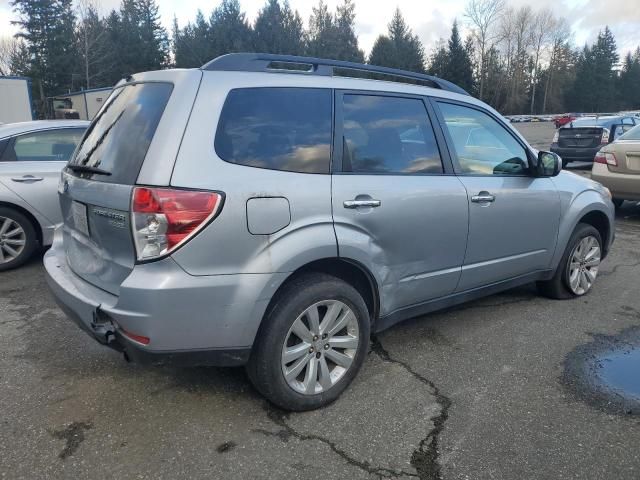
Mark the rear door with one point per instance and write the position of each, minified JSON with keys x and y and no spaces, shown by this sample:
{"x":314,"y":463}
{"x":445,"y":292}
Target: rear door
{"x":627,"y":154}
{"x":397,"y":206}
{"x":513,"y":216}
{"x":139,"y":127}
{"x":30,"y":166}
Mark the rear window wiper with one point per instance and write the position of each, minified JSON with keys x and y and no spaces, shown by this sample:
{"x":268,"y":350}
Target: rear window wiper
{"x":88,"y":169}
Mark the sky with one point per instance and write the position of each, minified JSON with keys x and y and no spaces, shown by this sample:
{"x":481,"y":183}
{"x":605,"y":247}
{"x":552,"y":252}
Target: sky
{"x":429,"y":19}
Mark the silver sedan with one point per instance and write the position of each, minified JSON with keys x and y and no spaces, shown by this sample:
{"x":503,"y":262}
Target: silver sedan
{"x":32,"y":154}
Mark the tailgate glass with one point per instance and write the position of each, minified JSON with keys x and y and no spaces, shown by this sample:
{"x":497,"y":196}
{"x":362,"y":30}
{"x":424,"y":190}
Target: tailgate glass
{"x":119,"y":137}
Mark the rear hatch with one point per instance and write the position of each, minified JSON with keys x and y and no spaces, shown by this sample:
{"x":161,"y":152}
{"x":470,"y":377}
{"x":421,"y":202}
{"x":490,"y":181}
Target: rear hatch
{"x":133,"y":139}
{"x":580,"y":137}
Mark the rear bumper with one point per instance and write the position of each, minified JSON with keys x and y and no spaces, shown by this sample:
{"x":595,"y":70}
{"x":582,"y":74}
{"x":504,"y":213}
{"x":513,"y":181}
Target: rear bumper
{"x":575,"y":154}
{"x":189,"y":320}
{"x":622,"y":185}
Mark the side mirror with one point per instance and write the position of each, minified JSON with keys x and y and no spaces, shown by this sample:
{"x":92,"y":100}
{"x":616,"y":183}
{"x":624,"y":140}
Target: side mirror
{"x":549,"y":164}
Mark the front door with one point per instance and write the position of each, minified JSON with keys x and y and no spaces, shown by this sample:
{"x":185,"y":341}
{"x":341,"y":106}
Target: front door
{"x":31,"y":163}
{"x":513,"y":216}
{"x":397,"y":207}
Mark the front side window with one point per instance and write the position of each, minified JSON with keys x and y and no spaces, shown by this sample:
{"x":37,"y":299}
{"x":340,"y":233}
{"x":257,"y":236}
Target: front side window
{"x":482,"y":145}
{"x":277,"y":128}
{"x":388,"y":135}
{"x":48,"y":146}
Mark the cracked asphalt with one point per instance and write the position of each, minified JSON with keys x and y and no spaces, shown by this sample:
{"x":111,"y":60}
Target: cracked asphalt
{"x":473,"y":392}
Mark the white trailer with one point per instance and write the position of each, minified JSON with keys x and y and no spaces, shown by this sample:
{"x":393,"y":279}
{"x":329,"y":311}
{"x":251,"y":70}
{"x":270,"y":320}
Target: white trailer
{"x":15,"y":100}
{"x":87,"y":102}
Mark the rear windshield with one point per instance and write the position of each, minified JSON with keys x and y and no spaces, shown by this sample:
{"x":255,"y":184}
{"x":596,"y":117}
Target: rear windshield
{"x":633,"y":134}
{"x":119,"y":137}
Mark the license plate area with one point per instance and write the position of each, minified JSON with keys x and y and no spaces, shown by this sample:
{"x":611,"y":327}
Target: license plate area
{"x":79,"y":214}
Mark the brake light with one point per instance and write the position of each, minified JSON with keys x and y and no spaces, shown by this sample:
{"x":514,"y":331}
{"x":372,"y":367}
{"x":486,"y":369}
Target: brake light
{"x":605,"y":136}
{"x":165,"y":218}
{"x":606,"y":158}
{"x":136,"y":338}
{"x":556,"y":137}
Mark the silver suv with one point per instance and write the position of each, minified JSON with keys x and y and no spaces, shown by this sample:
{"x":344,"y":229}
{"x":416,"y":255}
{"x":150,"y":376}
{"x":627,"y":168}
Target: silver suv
{"x":274,"y":211}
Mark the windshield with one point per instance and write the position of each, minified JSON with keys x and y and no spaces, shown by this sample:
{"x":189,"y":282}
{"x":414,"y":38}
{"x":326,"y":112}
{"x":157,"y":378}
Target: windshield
{"x":119,"y":137}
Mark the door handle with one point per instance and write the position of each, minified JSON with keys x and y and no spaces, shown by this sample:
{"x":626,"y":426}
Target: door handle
{"x":27,"y":179}
{"x":483,"y":197}
{"x":361,"y":203}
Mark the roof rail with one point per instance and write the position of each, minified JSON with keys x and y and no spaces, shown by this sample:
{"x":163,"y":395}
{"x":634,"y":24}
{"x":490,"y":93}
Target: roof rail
{"x":267,"y":62}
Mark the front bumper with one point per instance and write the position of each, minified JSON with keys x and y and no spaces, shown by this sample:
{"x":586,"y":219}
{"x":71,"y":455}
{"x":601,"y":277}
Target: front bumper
{"x":575,"y":154}
{"x":208,"y":320}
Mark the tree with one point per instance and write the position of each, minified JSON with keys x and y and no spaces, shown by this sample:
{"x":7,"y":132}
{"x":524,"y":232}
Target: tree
{"x":453,"y":60}
{"x":400,"y":48}
{"x":483,"y":15}
{"x":333,"y":36}
{"x":9,"y":51}
{"x":47,"y":28}
{"x":628,"y":91}
{"x":229,"y":29}
{"x":279,"y":30}
{"x":541,"y":34}
{"x":96,"y":57}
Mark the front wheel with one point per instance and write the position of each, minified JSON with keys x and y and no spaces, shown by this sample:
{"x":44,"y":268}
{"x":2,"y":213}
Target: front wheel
{"x":312,"y":343}
{"x":578,"y":268}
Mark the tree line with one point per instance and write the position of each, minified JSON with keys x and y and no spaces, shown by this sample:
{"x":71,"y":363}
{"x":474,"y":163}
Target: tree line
{"x":518,"y":60}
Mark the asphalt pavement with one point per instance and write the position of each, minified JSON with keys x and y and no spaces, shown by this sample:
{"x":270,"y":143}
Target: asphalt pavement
{"x":474,"y":392}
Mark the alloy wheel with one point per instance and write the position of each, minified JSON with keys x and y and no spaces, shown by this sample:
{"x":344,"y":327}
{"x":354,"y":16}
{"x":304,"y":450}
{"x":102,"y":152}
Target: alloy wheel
{"x":12,"y":239}
{"x":320,"y":347}
{"x":584,"y":265}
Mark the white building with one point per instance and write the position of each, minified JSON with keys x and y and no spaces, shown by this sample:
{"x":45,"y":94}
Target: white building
{"x":15,"y":100}
{"x":88,"y":102}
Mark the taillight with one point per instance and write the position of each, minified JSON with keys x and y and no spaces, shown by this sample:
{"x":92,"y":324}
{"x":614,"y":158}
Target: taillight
{"x":165,"y":218}
{"x":606,"y":158}
{"x":556,"y":137}
{"x":605,"y":136}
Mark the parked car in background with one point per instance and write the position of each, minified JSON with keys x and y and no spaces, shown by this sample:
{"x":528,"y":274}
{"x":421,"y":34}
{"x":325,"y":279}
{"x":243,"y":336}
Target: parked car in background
{"x":581,"y":139}
{"x":562,"y":120}
{"x":617,"y":167}
{"x":275,"y":219}
{"x":32,"y":154}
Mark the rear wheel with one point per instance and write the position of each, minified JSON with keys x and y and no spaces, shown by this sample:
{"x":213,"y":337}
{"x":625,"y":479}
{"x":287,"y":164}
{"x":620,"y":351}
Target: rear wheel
{"x":312,"y":343}
{"x":565,"y":163}
{"x":617,"y":202}
{"x":18,"y":239}
{"x":579,"y":266}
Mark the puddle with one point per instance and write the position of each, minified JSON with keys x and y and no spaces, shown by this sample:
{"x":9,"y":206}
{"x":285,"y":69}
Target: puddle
{"x":620,"y":372}
{"x":606,"y":372}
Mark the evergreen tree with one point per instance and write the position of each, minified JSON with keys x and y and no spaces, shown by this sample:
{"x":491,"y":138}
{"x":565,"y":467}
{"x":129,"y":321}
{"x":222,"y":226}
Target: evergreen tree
{"x":629,"y":83}
{"x":400,"y":48}
{"x":453,"y":61}
{"x":95,"y":56}
{"x":47,"y":27}
{"x":278,"y":29}
{"x":229,"y":29}
{"x":333,"y":36}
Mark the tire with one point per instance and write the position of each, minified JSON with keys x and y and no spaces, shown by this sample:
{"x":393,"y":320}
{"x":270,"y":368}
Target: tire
{"x":565,"y":163}
{"x":12,"y":221}
{"x":299,"y":298}
{"x":618,"y":202}
{"x":559,"y":287}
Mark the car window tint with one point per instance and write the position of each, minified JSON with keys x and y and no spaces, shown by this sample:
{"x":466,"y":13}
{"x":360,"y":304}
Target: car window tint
{"x":388,"y":135}
{"x":277,"y":128}
{"x":51,"y":145}
{"x":120,"y":135}
{"x":482,"y":145}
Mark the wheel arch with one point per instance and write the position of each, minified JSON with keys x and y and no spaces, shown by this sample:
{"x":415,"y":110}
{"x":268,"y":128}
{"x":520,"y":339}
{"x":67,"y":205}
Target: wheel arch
{"x":350,"y":271}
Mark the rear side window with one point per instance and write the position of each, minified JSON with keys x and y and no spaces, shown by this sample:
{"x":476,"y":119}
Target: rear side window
{"x":277,"y":128}
{"x":388,"y":135}
{"x":49,"y":146}
{"x":633,"y":134}
{"x":119,"y":137}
